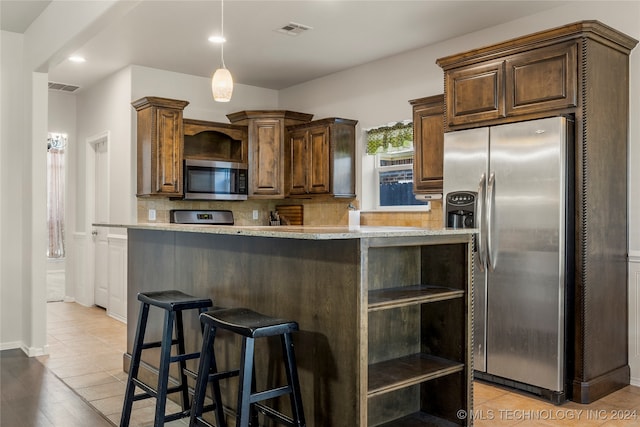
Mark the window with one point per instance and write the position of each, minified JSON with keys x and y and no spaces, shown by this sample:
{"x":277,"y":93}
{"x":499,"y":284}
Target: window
{"x":392,"y":147}
{"x":394,"y":172}
{"x":56,"y":144}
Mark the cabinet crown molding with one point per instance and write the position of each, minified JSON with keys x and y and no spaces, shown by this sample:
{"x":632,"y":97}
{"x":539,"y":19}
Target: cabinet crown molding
{"x":280,"y":114}
{"x":588,"y":29}
{"x":154,"y":101}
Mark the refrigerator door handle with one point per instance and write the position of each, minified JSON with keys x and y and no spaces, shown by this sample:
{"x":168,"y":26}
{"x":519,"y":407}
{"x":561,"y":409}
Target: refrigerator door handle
{"x":480,"y":224}
{"x":492,"y":250}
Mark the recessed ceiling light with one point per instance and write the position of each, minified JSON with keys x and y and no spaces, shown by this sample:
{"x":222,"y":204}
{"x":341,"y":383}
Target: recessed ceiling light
{"x":217,"y":39}
{"x":77,"y":59}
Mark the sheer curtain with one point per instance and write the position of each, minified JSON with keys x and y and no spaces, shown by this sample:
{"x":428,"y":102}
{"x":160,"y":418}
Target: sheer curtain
{"x":55,"y":194}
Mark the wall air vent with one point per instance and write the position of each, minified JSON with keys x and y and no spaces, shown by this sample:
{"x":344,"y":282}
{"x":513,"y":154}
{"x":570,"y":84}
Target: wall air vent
{"x":63,"y":87}
{"x":293,"y":29}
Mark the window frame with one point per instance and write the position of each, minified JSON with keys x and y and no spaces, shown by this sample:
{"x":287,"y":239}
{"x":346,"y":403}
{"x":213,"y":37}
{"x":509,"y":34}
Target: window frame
{"x":426,"y":207}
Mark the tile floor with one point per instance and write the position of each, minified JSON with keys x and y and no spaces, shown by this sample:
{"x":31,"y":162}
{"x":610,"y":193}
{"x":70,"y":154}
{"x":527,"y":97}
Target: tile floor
{"x":86,"y":348}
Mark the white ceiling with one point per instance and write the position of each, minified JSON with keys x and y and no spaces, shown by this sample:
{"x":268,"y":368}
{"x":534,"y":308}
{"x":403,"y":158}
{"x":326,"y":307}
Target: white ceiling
{"x":172,"y":35}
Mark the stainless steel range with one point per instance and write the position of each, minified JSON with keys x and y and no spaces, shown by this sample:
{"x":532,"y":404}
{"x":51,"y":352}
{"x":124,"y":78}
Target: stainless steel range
{"x":211,"y":217}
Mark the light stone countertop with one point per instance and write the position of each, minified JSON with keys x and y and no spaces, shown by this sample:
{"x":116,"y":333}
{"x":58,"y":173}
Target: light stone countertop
{"x":299,"y":232}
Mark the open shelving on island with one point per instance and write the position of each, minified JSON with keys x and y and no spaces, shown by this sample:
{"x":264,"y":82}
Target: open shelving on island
{"x":418,"y":335}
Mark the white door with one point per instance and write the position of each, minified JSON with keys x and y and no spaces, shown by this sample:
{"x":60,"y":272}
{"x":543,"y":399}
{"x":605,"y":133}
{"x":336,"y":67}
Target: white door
{"x":101,"y":215}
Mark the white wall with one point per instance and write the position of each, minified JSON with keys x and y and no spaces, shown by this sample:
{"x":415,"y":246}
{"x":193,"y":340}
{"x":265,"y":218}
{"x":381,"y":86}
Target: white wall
{"x":11,"y":152}
{"x":103,"y":108}
{"x":197,"y":90}
{"x":25,"y":59}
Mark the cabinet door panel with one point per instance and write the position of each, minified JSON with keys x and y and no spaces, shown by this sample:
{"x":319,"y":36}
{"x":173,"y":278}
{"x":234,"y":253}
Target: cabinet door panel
{"x":298,"y":162}
{"x":319,"y":160}
{"x":428,"y":144}
{"x":266,"y":165}
{"x":169,"y":150}
{"x":542,"y":80}
{"x":475,"y":93}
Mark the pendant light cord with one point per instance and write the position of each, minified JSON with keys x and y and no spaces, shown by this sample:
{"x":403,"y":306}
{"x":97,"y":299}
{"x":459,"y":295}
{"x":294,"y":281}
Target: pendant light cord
{"x":222,"y":32}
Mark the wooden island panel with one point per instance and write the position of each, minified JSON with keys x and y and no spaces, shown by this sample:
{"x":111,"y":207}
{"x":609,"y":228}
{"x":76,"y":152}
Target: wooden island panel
{"x":356,"y":359}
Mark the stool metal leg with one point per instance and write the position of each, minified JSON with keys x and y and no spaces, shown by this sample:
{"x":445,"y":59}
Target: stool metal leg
{"x":246,"y":374}
{"x":134,"y":366}
{"x":163,"y":369}
{"x":292,"y":378}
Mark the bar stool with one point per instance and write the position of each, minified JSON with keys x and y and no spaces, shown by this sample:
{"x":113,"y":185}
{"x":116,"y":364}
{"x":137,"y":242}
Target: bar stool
{"x":173,"y":302}
{"x":250,"y":325}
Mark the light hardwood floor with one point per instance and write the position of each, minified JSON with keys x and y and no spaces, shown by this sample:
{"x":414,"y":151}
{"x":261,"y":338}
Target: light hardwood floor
{"x":86,"y":348}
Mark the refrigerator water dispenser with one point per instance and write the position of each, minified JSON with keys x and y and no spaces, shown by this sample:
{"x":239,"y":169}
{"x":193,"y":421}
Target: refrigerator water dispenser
{"x":461,"y":209}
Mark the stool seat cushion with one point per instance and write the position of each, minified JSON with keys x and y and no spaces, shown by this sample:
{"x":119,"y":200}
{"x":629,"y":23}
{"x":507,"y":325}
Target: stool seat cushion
{"x":174,"y":300}
{"x":247,"y":322}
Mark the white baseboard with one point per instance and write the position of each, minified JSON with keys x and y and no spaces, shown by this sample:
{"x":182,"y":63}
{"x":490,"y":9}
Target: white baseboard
{"x":10,"y":345}
{"x":69,"y":299}
{"x":118,"y":318}
{"x":35,"y":351}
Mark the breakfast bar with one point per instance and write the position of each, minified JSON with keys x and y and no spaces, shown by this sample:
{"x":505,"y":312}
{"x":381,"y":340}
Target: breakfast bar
{"x":384,"y":312}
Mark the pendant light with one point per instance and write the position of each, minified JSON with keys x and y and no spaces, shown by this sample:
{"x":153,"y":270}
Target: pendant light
{"x":222,"y":82}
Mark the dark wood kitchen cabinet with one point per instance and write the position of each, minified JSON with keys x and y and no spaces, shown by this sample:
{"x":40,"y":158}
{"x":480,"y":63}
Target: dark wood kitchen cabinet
{"x":538,"y":80}
{"x":321,"y":158}
{"x":267,"y":136}
{"x":579,"y":70}
{"x":215,"y":141}
{"x":160,"y":143}
{"x":428,"y":144}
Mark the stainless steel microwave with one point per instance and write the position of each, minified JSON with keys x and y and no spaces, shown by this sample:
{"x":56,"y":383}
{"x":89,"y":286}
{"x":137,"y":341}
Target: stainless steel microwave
{"x":214,"y":180}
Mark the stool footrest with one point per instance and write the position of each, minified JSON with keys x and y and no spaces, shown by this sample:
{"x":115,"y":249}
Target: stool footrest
{"x":223,"y":375}
{"x":181,"y":357}
{"x":272,"y":413}
{"x":157,"y":344}
{"x":270,"y":394}
{"x":177,"y":416}
{"x":148,"y":391}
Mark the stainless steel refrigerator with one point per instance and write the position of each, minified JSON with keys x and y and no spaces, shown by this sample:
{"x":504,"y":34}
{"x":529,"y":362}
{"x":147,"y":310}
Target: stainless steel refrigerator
{"x":519,"y":175}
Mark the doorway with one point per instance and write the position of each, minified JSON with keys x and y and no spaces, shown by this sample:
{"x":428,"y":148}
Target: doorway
{"x":97,"y":211}
{"x":56,"y":194}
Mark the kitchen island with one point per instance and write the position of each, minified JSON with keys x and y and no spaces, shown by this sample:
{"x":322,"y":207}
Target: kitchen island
{"x":384,"y":312}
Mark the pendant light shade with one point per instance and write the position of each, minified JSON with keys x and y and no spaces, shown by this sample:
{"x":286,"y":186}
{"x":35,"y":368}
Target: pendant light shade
{"x":222,"y":85}
{"x":222,"y":82}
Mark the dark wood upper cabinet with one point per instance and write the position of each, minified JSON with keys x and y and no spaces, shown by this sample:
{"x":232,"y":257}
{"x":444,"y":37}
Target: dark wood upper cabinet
{"x":543,"y":79}
{"x":321,"y":158}
{"x":160,"y":146}
{"x":267,"y":136}
{"x":215,"y":141}
{"x":528,"y":77}
{"x":475,"y":93}
{"x":428,"y":144}
{"x":538,"y":80}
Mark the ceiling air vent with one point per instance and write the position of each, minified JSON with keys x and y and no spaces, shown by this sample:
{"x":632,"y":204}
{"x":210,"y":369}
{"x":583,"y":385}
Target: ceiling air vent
{"x":63,"y":87}
{"x":293,"y":29}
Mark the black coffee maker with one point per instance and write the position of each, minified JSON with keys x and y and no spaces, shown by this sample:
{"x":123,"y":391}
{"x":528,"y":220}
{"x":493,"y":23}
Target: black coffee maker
{"x":461,"y":209}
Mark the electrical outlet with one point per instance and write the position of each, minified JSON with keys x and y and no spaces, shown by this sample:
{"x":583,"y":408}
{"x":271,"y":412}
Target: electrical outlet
{"x":255,"y":214}
{"x":152,"y":214}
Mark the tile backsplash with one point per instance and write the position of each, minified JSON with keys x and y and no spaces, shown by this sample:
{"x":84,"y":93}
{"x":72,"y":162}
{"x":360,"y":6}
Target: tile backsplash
{"x":316,"y":212}
{"x":430,"y":219}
